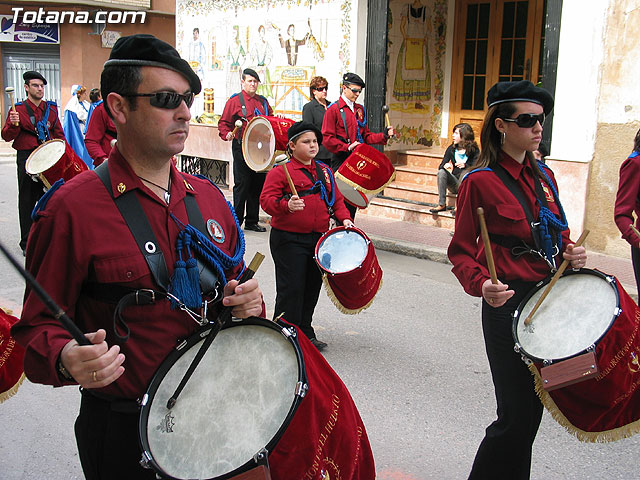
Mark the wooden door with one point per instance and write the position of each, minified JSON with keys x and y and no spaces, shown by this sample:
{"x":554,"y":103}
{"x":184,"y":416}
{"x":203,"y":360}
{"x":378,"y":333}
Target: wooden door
{"x":494,"y":40}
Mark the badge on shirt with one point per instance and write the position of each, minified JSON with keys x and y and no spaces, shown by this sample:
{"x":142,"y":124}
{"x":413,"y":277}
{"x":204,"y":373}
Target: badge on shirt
{"x":548,"y":193}
{"x":360,"y":115}
{"x":215,"y":230}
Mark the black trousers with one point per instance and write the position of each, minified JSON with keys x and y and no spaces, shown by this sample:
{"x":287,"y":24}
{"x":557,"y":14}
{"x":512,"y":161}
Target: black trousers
{"x":107,"y":439}
{"x":505,"y":451}
{"x":635,"y":259}
{"x":338,"y":159}
{"x":29,"y":192}
{"x":247,"y":187}
{"x":298,"y":277}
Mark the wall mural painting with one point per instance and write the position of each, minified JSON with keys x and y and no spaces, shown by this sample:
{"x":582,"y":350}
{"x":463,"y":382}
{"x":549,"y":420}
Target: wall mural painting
{"x":415,"y":56}
{"x":286,"y":41}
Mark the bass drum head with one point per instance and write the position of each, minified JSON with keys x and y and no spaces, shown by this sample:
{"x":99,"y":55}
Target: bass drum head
{"x":258,"y":144}
{"x":577,"y":313}
{"x":352,"y":195}
{"x":238,"y":401}
{"x":45,"y":156}
{"x":341,"y":250}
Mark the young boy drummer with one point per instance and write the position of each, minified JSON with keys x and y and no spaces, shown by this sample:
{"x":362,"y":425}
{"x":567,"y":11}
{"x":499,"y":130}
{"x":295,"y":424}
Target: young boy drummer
{"x":298,"y":221}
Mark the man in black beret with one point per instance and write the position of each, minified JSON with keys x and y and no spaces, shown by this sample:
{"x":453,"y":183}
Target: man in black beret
{"x":33,"y":122}
{"x":345,"y":125}
{"x":247,"y":183}
{"x":110,"y":241}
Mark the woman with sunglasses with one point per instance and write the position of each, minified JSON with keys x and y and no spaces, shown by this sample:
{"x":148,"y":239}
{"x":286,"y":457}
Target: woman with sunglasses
{"x":511,"y":187}
{"x":313,"y":112}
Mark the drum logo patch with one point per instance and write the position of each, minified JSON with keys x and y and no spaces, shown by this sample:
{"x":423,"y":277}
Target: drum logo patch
{"x":215,"y":230}
{"x":634,"y":364}
{"x":166,"y":424}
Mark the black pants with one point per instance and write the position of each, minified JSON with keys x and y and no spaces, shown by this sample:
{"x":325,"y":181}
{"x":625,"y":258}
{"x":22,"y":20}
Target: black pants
{"x":247,"y":187}
{"x":298,"y":278}
{"x":505,"y":451}
{"x":29,"y":192}
{"x":635,"y":259}
{"x":108,"y":441}
{"x":338,"y":159}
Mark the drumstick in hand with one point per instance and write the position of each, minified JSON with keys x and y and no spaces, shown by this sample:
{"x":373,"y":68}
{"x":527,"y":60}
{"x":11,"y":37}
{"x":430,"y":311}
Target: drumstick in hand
{"x":553,"y":281}
{"x":238,"y":124}
{"x":385,"y":110}
{"x":291,"y":185}
{"x":635,"y":230}
{"x":487,"y":246}
{"x":10,"y":91}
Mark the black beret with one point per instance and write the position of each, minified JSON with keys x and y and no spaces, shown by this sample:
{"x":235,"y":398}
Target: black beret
{"x":299,"y":128}
{"x":251,"y":72}
{"x":352,"y":79}
{"x":31,"y":75}
{"x":522,"y":91}
{"x":143,"y":50}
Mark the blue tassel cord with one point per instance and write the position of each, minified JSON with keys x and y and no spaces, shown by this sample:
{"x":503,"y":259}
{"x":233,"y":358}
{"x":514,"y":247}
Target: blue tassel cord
{"x":549,"y":221}
{"x":182,"y":285}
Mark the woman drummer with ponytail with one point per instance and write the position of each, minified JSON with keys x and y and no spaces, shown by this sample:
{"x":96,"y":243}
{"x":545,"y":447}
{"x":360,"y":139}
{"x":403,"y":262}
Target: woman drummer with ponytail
{"x":529,"y":238}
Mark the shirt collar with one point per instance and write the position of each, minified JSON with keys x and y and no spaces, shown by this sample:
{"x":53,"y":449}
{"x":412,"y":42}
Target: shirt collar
{"x":349,"y":103}
{"x":513,"y":167}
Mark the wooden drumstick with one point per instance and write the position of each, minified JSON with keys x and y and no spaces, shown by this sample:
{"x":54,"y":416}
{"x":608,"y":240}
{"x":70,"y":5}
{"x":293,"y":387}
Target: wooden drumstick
{"x":9,"y":91}
{"x":635,"y":230}
{"x":553,"y":281}
{"x":487,"y":246}
{"x":385,"y":110}
{"x":283,"y":159}
{"x":238,"y":124}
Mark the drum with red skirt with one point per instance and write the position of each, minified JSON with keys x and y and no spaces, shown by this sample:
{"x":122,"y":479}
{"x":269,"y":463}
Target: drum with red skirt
{"x":54,"y":160}
{"x":263,"y":136}
{"x":351,"y":273}
{"x":583,"y":347}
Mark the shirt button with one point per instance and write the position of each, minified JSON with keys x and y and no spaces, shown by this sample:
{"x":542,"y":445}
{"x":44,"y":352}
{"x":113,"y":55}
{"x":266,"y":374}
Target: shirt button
{"x":129,"y":274}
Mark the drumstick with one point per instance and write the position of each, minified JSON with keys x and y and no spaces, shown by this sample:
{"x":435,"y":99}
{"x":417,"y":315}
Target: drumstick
{"x":385,"y":110}
{"x":223,"y":318}
{"x":291,"y":185}
{"x":487,"y":246}
{"x":238,"y":124}
{"x":57,"y":312}
{"x":635,"y":230}
{"x":10,"y":91}
{"x":553,"y":281}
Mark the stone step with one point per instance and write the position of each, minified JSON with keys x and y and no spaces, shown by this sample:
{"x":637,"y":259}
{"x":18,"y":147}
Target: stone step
{"x":408,"y":212}
{"x":422,"y":177}
{"x":428,"y":158}
{"x":416,"y":194}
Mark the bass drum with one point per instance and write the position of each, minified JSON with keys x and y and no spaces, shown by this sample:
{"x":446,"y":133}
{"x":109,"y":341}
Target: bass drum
{"x":54,"y":160}
{"x":239,"y":401}
{"x":263,"y":137}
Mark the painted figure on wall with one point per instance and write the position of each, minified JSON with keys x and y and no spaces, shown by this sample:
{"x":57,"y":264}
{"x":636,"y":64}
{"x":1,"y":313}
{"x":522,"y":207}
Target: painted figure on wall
{"x":261,"y":55}
{"x":236,"y":56}
{"x":412,"y":81}
{"x":291,"y":44}
{"x":197,"y":54}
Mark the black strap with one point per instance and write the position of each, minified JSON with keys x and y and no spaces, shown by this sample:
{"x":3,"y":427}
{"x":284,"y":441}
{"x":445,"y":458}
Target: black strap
{"x":32,"y":117}
{"x":113,"y":133}
{"x":138,"y":224}
{"x":344,"y":121}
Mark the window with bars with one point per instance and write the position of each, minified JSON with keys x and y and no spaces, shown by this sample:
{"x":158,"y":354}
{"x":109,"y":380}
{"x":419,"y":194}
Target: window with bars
{"x":475,"y":56}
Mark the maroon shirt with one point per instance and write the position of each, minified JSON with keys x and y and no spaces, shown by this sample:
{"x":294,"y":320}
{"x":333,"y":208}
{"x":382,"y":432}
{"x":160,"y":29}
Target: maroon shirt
{"x":504,"y":216}
{"x":334,"y":137}
{"x":315,"y":215}
{"x":75,"y":242}
{"x":233,"y":111}
{"x":100,"y":132}
{"x":627,"y":201}
{"x":24,"y":135}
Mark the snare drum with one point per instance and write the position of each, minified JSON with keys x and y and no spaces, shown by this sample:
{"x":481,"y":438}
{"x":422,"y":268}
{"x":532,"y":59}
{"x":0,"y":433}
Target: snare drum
{"x":586,"y":311}
{"x":264,"y":135}
{"x":260,"y":388}
{"x":352,"y":275}
{"x":54,"y":160}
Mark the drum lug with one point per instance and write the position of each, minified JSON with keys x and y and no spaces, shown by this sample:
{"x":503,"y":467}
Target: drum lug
{"x":288,"y":332}
{"x":547,"y":362}
{"x":144,"y":400}
{"x":591,"y":348}
{"x":145,"y":461}
{"x":517,"y":347}
{"x":301,"y":389}
{"x":262,"y":457}
{"x":527,"y":361}
{"x":617,"y":311}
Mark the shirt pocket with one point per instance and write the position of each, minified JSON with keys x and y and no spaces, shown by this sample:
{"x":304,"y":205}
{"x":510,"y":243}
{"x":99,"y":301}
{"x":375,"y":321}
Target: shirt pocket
{"x":129,"y":269}
{"x":511,"y":220}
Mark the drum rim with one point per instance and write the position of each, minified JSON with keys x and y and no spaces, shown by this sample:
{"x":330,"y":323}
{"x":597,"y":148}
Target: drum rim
{"x":53,"y":141}
{"x":277,"y":325}
{"x":333,"y":231}
{"x":516,"y":314}
{"x":258,"y":119}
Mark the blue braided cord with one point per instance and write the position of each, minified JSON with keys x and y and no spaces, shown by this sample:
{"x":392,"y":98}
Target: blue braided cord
{"x":634,"y":154}
{"x":323,"y":188}
{"x":549,"y":219}
{"x":360,"y":124}
{"x":484,"y":169}
{"x":44,"y":199}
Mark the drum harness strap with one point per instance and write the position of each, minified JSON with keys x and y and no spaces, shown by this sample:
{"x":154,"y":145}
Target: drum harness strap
{"x":546,"y":232}
{"x":256,"y":112}
{"x":41,"y":129}
{"x":319,"y":186}
{"x":135,"y":218}
{"x":359,"y":124}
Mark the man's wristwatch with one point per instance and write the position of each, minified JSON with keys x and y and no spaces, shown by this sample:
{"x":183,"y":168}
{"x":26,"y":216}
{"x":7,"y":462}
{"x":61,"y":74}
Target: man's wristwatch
{"x":62,"y":372}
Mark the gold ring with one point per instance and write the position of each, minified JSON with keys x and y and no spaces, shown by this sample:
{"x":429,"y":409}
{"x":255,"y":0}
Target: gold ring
{"x":491,"y":301}
{"x":94,"y":375}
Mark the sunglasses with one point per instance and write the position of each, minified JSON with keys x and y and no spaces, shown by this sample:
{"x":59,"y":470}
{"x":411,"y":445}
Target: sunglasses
{"x":527,"y":120}
{"x":322,"y":89}
{"x":355,"y":90}
{"x":167,"y":100}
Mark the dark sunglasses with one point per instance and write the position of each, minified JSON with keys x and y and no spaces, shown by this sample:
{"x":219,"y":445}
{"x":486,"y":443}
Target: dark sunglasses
{"x":322,"y":89}
{"x":355,"y":90}
{"x":527,"y":120}
{"x":167,"y":100}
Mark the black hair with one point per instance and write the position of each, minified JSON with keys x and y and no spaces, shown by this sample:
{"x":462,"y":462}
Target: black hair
{"x":120,"y":79}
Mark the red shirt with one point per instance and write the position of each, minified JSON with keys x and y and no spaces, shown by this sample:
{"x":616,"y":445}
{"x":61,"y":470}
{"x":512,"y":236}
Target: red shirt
{"x":627,"y":200}
{"x":75,"y":241}
{"x":504,"y":216}
{"x":100,"y":132}
{"x":233,"y":111}
{"x":334,"y":137}
{"x":315,"y":215}
{"x":24,"y":135}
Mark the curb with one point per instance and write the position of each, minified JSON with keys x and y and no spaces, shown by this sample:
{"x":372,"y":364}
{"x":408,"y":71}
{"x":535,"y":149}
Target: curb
{"x":410,"y":249}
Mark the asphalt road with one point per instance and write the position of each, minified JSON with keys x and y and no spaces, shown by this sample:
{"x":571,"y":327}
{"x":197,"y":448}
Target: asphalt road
{"x":414,"y":363}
